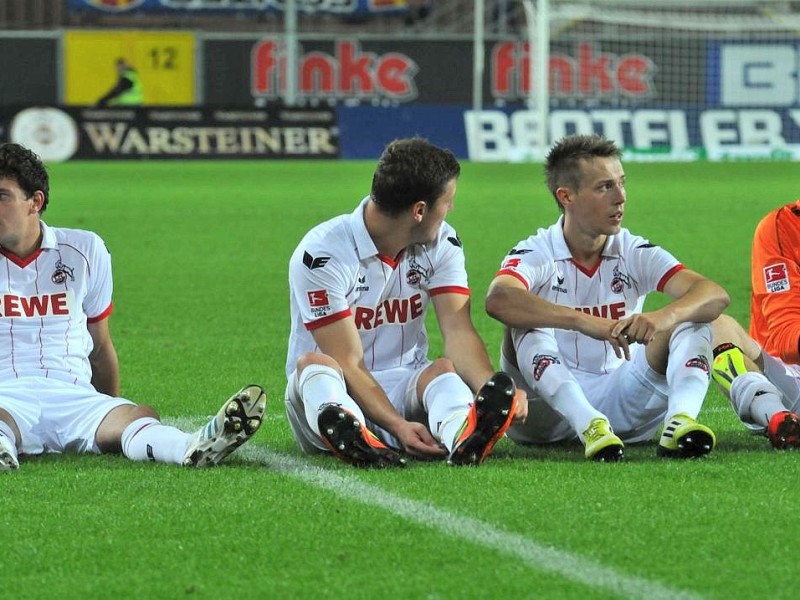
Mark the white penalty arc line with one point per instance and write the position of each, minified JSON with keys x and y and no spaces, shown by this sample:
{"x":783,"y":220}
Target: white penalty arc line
{"x":536,"y":556}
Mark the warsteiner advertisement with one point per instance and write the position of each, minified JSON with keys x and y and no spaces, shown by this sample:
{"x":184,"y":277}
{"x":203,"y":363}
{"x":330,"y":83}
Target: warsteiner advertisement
{"x":276,"y":131}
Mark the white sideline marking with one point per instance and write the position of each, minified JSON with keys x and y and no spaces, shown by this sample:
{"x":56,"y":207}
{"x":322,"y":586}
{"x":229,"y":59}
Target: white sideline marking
{"x":537,"y":556}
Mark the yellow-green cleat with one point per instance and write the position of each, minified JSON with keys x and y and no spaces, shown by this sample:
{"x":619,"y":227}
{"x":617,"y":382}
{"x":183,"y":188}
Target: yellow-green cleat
{"x":728,"y":365}
{"x":683,"y":437}
{"x":601,"y":443}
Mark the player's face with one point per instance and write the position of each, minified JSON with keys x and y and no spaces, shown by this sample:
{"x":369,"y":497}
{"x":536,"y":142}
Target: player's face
{"x":428,"y":229}
{"x":597,"y":206}
{"x":18,"y":220}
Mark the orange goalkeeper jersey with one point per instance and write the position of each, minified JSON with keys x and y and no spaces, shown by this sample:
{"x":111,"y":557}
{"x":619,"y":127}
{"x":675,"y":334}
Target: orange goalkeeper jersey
{"x":775,"y":274}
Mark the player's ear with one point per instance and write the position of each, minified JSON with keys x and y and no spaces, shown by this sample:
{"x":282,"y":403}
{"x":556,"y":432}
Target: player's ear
{"x":37,"y":201}
{"x":419,"y":209}
{"x":564,"y":196}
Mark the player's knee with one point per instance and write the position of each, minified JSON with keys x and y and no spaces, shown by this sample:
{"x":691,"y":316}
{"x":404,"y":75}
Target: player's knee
{"x":122,"y":416}
{"x":727,"y":329}
{"x":316,"y":358}
{"x":439,"y":367}
{"x":109,"y":433}
{"x":142,"y":411}
{"x":690,"y":328}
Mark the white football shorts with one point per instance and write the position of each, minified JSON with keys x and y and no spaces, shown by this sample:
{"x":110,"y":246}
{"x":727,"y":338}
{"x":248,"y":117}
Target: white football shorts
{"x":633,"y":397}
{"x":400,"y":385}
{"x":55,"y":416}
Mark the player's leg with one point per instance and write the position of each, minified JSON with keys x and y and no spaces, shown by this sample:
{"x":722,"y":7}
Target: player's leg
{"x":783,"y":428}
{"x":762,"y":406}
{"x":468,"y":426}
{"x":545,"y":373}
{"x":634,"y":397}
{"x":683,"y":356}
{"x":136,"y":431}
{"x":748,"y":376}
{"x":543,"y":425}
{"x":325,"y":418}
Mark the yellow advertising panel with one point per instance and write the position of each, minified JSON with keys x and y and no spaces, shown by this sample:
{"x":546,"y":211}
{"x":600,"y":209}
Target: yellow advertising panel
{"x":163,"y":61}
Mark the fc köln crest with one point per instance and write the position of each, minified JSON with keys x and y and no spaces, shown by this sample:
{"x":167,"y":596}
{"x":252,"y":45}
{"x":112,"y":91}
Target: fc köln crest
{"x":62,"y":273}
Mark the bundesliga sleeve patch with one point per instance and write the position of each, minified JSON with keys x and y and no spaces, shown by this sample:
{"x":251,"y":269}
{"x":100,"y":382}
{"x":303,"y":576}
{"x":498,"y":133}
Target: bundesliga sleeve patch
{"x":776,"y":278}
{"x":318,"y":299}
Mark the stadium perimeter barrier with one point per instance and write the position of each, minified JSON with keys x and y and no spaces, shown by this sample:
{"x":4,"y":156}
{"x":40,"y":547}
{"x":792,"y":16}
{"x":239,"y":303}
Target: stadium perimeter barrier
{"x":717,"y":82}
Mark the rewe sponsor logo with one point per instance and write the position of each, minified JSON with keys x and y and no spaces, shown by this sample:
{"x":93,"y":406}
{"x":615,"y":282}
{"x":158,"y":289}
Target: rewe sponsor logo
{"x":349,"y":73}
{"x":392,"y":311}
{"x":615,"y":310}
{"x":42,"y":305}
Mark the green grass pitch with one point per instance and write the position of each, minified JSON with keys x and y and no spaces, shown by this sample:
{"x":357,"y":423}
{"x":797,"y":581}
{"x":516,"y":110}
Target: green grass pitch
{"x":200,"y":252}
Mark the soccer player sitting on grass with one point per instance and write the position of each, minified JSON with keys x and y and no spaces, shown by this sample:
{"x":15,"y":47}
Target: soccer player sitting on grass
{"x":760,"y":372}
{"x":360,"y":384}
{"x":59,"y":375}
{"x":571,"y":296}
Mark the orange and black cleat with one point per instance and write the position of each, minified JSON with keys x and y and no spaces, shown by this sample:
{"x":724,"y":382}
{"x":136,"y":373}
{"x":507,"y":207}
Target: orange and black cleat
{"x":352,"y":442}
{"x":784,"y":430}
{"x":487,"y":421}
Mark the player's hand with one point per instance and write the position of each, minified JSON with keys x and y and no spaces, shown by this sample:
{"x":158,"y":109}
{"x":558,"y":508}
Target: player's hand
{"x":607,"y":330}
{"x":521,"y":414}
{"x":418,"y":441}
{"x":639,"y":329}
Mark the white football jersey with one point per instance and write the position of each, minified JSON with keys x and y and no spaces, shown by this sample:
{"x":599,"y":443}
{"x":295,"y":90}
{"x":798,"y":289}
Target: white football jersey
{"x":336,"y":273}
{"x":629,"y":269}
{"x":46,"y":301}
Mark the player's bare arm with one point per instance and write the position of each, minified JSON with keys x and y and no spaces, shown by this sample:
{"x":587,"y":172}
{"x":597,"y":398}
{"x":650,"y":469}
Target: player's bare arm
{"x":464,"y":346}
{"x":696,"y":299}
{"x":512,"y":304}
{"x":340,"y":341}
{"x":103,"y":358}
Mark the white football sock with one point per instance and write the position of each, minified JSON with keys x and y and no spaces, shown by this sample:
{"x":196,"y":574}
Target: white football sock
{"x":755,"y":399}
{"x":557,"y":386}
{"x":570,"y":402}
{"x":149,"y":439}
{"x":688,"y":369}
{"x":447,"y":399}
{"x":320,"y":385}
